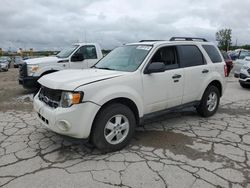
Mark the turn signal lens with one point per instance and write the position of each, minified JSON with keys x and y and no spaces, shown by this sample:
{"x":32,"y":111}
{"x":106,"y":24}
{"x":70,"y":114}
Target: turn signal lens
{"x":76,"y":97}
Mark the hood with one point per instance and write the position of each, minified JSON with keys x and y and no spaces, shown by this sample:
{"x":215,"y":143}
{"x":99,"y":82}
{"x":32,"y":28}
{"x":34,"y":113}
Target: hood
{"x":71,"y":79}
{"x":51,"y":59}
{"x":243,"y":61}
{"x":247,"y":64}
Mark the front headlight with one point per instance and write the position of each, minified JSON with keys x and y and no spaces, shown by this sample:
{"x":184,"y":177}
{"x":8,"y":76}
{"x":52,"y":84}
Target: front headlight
{"x":32,"y":69}
{"x":70,"y":98}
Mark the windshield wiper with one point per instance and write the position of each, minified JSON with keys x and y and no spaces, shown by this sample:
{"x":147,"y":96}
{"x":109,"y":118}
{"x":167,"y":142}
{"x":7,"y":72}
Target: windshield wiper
{"x":104,"y":68}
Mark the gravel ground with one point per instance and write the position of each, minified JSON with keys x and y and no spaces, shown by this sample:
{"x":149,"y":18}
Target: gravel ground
{"x":178,"y":149}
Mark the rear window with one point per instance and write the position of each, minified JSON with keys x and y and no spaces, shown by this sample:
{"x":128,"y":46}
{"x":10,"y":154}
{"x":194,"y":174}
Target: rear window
{"x":190,"y":55}
{"x":213,"y":53}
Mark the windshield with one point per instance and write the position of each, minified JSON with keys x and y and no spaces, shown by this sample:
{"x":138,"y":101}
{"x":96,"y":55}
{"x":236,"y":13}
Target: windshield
{"x":125,"y":58}
{"x":67,"y":51}
{"x":244,"y":54}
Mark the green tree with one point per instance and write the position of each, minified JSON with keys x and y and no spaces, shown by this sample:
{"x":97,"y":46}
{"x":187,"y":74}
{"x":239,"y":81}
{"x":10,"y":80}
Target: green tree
{"x":224,"y":38}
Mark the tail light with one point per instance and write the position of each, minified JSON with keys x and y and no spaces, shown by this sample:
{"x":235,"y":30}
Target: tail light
{"x":225,"y":70}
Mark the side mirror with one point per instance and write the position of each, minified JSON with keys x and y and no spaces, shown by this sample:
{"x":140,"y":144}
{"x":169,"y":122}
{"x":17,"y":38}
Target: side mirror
{"x":77,"y":57}
{"x":155,"y":67}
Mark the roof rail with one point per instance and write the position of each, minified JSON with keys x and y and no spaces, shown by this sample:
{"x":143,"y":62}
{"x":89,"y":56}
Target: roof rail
{"x":187,"y":39}
{"x":150,"y":40}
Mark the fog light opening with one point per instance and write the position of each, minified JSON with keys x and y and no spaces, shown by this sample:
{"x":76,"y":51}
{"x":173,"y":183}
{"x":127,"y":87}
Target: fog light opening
{"x":63,"y":125}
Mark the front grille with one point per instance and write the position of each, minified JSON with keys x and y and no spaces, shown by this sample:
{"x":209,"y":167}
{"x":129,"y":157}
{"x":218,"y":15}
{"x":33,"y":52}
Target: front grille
{"x":51,"y":97}
{"x":23,"y":70}
{"x":243,"y":76}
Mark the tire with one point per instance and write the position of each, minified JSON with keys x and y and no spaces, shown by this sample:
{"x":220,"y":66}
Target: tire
{"x":244,"y":85}
{"x":211,"y":94}
{"x":121,"y":122}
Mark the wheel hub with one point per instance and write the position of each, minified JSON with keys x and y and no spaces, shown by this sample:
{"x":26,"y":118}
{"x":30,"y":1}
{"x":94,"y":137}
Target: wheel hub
{"x":116,"y":129}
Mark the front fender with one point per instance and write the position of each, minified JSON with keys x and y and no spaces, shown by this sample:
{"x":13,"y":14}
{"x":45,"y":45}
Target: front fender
{"x":113,"y":92}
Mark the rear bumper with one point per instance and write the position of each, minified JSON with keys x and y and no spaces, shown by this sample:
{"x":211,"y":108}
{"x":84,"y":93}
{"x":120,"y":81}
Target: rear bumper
{"x":29,"y":82}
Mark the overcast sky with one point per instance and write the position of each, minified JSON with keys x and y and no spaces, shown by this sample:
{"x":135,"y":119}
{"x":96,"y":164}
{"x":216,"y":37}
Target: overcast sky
{"x":53,"y":24}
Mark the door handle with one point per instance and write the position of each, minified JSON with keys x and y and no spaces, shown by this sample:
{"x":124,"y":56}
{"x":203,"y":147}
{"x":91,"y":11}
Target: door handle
{"x":176,"y":76}
{"x":205,"y":71}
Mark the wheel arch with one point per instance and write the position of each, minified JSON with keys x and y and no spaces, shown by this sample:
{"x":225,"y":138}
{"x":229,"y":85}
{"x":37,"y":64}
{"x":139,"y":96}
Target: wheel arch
{"x":125,"y":101}
{"x":217,"y":84}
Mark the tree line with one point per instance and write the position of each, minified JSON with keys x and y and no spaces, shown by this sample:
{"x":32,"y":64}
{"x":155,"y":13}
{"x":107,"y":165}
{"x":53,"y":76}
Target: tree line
{"x":224,"y":38}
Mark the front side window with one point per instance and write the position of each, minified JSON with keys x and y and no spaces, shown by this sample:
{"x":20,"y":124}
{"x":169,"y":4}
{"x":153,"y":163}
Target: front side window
{"x":190,"y":55}
{"x":67,"y":51}
{"x":124,"y":58}
{"x":88,"y":52}
{"x":213,"y":53}
{"x":166,"y":55}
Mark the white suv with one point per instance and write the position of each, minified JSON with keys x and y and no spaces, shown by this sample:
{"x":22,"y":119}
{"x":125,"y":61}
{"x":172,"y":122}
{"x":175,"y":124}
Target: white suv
{"x":107,"y":102}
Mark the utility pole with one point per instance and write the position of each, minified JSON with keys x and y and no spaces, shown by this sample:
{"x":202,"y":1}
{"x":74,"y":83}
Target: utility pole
{"x":85,"y":35}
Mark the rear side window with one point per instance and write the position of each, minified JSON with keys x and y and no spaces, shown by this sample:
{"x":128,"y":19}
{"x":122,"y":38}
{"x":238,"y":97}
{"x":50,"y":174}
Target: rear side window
{"x":190,"y":55}
{"x":213,"y":53}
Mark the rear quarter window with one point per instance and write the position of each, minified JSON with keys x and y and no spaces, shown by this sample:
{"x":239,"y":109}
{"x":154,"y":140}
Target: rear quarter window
{"x":213,"y":53}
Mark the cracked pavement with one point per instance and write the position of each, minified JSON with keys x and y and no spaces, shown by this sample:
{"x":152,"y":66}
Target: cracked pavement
{"x":178,"y":149}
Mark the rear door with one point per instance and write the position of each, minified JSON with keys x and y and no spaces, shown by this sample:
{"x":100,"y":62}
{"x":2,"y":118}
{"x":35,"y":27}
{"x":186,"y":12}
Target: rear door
{"x":195,"y":69}
{"x":165,"y":89}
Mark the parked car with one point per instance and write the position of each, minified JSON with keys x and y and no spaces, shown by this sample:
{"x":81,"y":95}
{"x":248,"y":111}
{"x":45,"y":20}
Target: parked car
{"x":135,"y":81}
{"x":5,"y":59}
{"x":4,"y":66}
{"x":239,"y":63}
{"x":228,"y":61}
{"x":18,"y":60}
{"x":77,"y":56}
{"x":233,"y":55}
{"x":245,"y":75}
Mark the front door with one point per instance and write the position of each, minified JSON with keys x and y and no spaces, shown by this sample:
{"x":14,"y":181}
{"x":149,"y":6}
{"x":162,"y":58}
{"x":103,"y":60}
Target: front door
{"x":76,"y":62}
{"x":89,"y":55}
{"x":165,"y":89}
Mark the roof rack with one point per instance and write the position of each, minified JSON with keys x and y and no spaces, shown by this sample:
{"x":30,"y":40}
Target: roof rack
{"x":187,"y":39}
{"x":150,"y":40}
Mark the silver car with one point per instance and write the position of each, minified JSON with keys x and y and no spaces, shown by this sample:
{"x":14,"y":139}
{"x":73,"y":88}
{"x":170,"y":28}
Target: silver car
{"x":4,"y":65}
{"x":244,"y":58}
{"x":18,"y":60}
{"x":5,"y":59}
{"x":245,"y":75}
